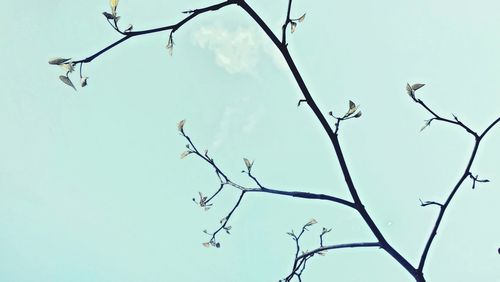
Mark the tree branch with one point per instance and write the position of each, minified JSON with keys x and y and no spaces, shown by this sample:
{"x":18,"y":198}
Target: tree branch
{"x":305,"y":195}
{"x":439,"y":118}
{"x":224,"y":221}
{"x":299,"y":263}
{"x":335,"y":142}
{"x":172,"y":27}
{"x":339,"y":246}
{"x":287,"y":21}
{"x":224,"y":179}
{"x":489,"y":128}
{"x":332,"y":135}
{"x":467,"y":173}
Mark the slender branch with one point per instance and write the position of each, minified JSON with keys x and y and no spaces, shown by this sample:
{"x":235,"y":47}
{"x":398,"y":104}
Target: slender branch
{"x":305,"y":195}
{"x":467,"y":173}
{"x":215,"y":194}
{"x":335,"y":142}
{"x":489,"y":128}
{"x":430,"y":203}
{"x":261,"y":189}
{"x":226,"y":219}
{"x":439,"y":118}
{"x":115,"y":26}
{"x":287,"y":21}
{"x":254,"y":179}
{"x":325,"y":230}
{"x":333,"y":136}
{"x":172,"y":27}
{"x":339,"y":246}
{"x":299,"y":265}
{"x":475,"y":179}
{"x":445,"y":206}
{"x":222,"y":177}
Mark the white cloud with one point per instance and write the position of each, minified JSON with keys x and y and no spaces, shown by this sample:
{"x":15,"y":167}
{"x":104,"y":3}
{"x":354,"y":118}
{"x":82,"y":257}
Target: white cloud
{"x":237,"y":51}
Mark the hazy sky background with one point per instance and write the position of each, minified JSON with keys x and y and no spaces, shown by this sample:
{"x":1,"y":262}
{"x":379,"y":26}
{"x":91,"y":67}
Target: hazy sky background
{"x":92,"y":187}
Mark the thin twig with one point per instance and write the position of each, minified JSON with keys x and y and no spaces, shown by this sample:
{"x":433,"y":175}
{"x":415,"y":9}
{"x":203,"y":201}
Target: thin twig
{"x":287,"y":21}
{"x":172,"y":27}
{"x":456,"y":121}
{"x":336,"y":145}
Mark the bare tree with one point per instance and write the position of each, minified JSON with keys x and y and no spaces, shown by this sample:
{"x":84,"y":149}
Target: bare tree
{"x":330,"y":123}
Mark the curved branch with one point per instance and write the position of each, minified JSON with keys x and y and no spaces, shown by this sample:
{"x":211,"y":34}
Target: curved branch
{"x":444,"y":206}
{"x":438,"y":117}
{"x":173,"y":28}
{"x":489,"y":128}
{"x":227,"y":218}
{"x":299,"y":263}
{"x":305,"y":195}
{"x":339,"y":246}
{"x":224,"y":180}
{"x":335,"y":142}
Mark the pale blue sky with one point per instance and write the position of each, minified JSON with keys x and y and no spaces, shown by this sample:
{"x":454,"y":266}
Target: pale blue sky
{"x":92,"y":187}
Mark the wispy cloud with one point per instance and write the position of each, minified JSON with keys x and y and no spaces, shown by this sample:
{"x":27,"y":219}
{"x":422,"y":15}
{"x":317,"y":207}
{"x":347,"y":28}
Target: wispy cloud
{"x":236,"y":50}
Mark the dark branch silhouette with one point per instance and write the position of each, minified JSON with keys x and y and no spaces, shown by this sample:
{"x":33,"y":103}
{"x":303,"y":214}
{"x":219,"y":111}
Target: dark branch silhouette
{"x":356,"y":204}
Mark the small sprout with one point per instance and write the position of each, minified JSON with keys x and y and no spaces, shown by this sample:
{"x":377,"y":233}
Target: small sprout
{"x":292,"y":234}
{"x":58,"y":61}
{"x":358,"y":114}
{"x":223,"y":220}
{"x":293,"y":26}
{"x":206,"y":244}
{"x":330,"y":113}
{"x":352,"y":108}
{"x":67,"y":81}
{"x":427,"y":123}
{"x":423,"y":204}
{"x":409,"y":90}
{"x":248,"y":164}
{"x":108,"y":16}
{"x":83,"y":81}
{"x":206,"y":232}
{"x":68,"y":67}
{"x":170,"y":45}
{"x":203,"y":202}
{"x":180,"y":125}
{"x":301,"y":101}
{"x":302,"y":18}
{"x":325,"y":230}
{"x":114,"y":5}
{"x":202,"y":198}
{"x":311,"y":222}
{"x":185,"y":154}
{"x":217,"y":245}
{"x":417,"y":86}
{"x":322,"y":253}
{"x":129,"y":28}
